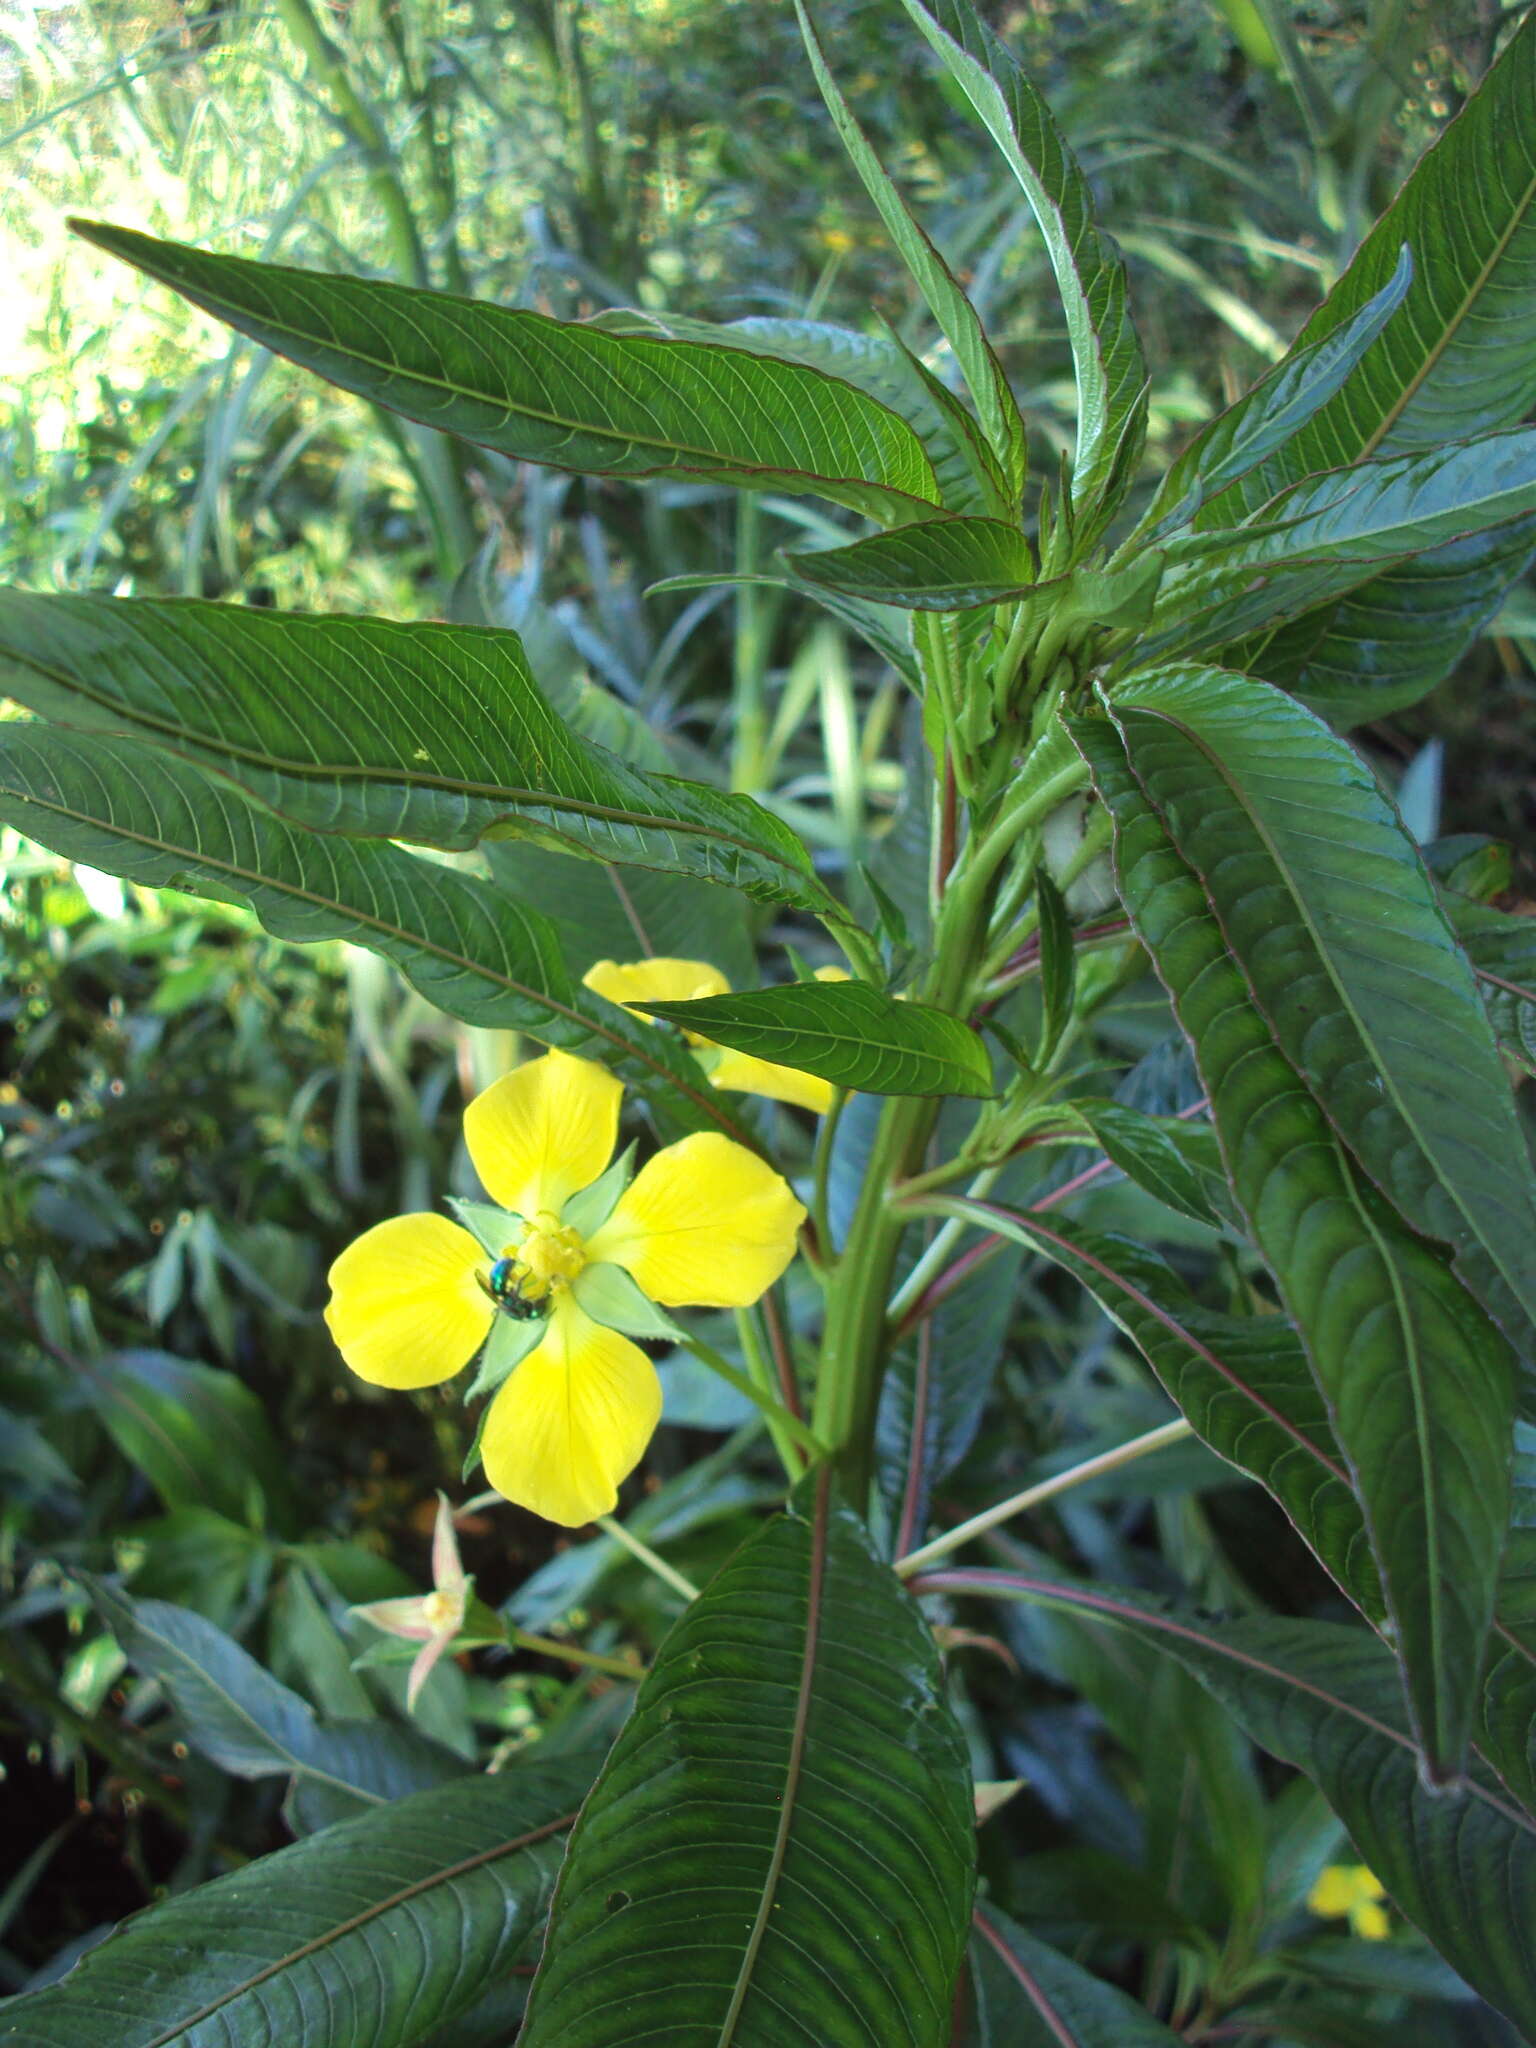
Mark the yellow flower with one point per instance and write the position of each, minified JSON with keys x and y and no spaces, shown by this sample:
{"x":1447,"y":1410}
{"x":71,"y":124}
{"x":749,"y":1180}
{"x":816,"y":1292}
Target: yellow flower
{"x":635,"y":983}
{"x":567,"y":1260}
{"x":1351,"y":1890}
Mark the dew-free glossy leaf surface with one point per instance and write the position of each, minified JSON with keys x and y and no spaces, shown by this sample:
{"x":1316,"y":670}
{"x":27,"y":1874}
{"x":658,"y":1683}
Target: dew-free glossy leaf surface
{"x":935,"y":565}
{"x":1418,"y":1383}
{"x":1024,"y":1994}
{"x":365,"y":1936}
{"x":236,"y":1713}
{"x":553,"y":392}
{"x":848,"y":1033}
{"x":1110,"y":370}
{"x":779,"y":1851}
{"x":431,"y":733}
{"x":1324,"y":1698}
{"x":476,"y":952}
{"x":1326,"y":903}
{"x":1332,"y":533}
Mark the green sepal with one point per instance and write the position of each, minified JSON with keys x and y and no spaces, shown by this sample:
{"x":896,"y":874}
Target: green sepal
{"x":589,"y":1210}
{"x":609,"y":1296}
{"x":507,"y":1346}
{"x":495,"y":1228}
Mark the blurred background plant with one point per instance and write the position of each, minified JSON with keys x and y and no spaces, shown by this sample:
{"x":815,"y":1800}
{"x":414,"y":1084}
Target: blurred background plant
{"x":195,"y":1118}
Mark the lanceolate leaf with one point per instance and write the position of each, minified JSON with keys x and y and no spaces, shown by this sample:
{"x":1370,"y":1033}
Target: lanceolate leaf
{"x":1502,"y":950}
{"x":934,"y":565}
{"x":1177,"y":1161}
{"x":547,"y":391}
{"x":370,"y":1933}
{"x":1243,"y":1383}
{"x":1329,"y":534}
{"x":1024,"y":1994}
{"x":1389,"y":642}
{"x":1324,"y":1698}
{"x":780,"y":1846}
{"x":970,"y":478}
{"x":433,"y":733}
{"x":848,"y":1033}
{"x":477,"y":953}
{"x":1419,"y":1383}
{"x":995,"y":403}
{"x":1270,"y":412}
{"x":1455,"y":361}
{"x":1111,"y":374}
{"x":1326,"y":904}
{"x":237,"y":1714}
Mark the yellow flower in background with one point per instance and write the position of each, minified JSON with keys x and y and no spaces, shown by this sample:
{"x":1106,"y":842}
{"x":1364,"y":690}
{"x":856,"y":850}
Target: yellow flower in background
{"x":567,"y":1261}
{"x":637,"y":982}
{"x":1350,"y":1890}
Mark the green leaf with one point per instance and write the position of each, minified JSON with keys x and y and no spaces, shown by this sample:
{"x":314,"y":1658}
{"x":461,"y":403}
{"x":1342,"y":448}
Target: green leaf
{"x":1023,"y":1994}
{"x":1419,"y":1384}
{"x":199,"y":1436}
{"x":547,"y":391}
{"x":1107,"y":359}
{"x":1389,"y":642}
{"x":604,"y":912}
{"x":1329,"y":533}
{"x":1058,"y":965}
{"x":780,"y":1847}
{"x":1324,"y":1698}
{"x":372,"y":1932}
{"x":1242,"y":1382}
{"x":1502,"y":950}
{"x":432,"y":733}
{"x":848,"y":1033}
{"x":995,"y":403}
{"x":1171,"y":1158}
{"x":1271,"y":411}
{"x":935,"y":565}
{"x":478,"y":954}
{"x":1455,"y":362}
{"x":1325,"y":901}
{"x":970,"y":478}
{"x":239,"y":1716}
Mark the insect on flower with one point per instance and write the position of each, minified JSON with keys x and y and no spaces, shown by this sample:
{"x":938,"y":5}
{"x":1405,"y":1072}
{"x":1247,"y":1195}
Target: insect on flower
{"x":551,"y":1283}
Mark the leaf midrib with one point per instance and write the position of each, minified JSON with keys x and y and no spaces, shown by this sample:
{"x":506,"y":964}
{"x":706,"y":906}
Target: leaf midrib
{"x":358,"y":1920}
{"x":381,"y":925}
{"x":1452,"y":327}
{"x":193,"y":743}
{"x":1368,"y":1037}
{"x":794,"y":1764}
{"x":1135,"y":1617}
{"x":219,"y":305}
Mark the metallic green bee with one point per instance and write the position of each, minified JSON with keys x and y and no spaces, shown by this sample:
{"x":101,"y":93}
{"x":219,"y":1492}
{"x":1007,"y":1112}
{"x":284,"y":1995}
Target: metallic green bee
{"x":503,"y":1290}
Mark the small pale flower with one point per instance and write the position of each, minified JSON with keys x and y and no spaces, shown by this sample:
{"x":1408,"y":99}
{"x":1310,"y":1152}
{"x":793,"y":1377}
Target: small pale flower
{"x":432,"y":1619}
{"x":1351,"y":1891}
{"x":551,"y":1278}
{"x":637,"y":982}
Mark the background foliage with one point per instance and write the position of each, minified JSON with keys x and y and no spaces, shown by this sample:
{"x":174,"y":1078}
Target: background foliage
{"x":196,"y":1118}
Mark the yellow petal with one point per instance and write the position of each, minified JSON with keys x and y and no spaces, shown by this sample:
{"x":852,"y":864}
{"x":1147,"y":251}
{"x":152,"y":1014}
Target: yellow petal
{"x":406,"y":1307}
{"x":744,"y":1075}
{"x":705,"y":1224}
{"x":572,"y":1421}
{"x":655,"y":981}
{"x":1335,"y":1891}
{"x":1369,"y":1921}
{"x":543,"y":1131}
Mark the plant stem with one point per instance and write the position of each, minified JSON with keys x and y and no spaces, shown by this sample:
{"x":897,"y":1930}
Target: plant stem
{"x":1046,"y":1489}
{"x":648,"y":1557}
{"x":590,"y":1660}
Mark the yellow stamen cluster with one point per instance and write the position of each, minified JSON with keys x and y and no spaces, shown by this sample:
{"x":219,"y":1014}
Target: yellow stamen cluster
{"x":546,"y":1258}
